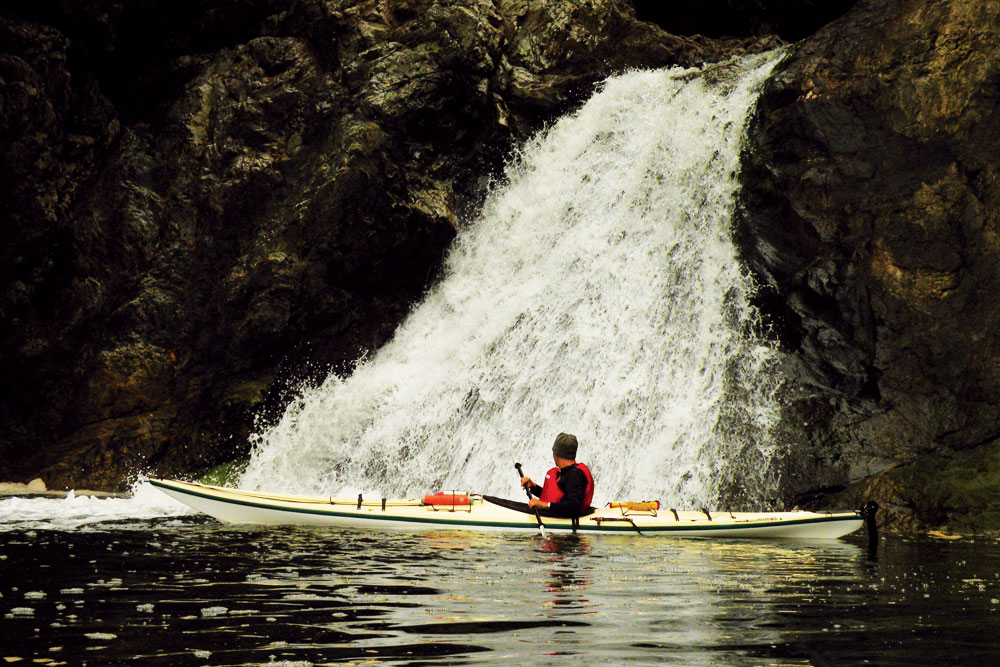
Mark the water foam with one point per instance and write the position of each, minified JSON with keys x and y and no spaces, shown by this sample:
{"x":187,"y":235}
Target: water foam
{"x":81,"y":512}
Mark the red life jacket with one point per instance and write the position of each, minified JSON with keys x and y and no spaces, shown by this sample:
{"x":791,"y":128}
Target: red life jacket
{"x":551,"y":493}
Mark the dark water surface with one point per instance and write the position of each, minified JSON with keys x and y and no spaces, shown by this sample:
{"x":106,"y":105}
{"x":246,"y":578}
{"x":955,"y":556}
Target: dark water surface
{"x":192,"y":592}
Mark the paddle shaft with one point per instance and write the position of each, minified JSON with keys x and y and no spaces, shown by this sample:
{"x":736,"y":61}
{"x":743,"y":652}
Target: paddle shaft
{"x":538,"y":517}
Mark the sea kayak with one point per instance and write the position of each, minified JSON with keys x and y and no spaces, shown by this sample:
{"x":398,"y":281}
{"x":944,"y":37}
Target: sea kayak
{"x":487,"y":513}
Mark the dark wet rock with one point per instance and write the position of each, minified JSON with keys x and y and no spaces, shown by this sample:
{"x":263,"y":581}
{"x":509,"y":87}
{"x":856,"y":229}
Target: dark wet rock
{"x":208,"y":202}
{"x":791,"y":20}
{"x":871,"y":220}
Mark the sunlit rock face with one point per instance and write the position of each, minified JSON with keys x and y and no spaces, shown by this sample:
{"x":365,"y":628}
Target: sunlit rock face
{"x":207,"y":202}
{"x":871,"y":219}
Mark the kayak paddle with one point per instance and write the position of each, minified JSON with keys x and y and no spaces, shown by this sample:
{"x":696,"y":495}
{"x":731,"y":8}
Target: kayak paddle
{"x":541,"y":526}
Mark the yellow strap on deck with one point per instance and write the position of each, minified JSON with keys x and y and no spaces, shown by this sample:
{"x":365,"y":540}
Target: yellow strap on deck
{"x":644,"y":506}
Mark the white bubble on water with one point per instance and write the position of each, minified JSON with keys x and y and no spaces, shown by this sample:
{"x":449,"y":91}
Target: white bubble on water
{"x":209,"y":612}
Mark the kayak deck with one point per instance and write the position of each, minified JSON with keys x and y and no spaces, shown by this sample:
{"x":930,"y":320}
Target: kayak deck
{"x":485,"y":513}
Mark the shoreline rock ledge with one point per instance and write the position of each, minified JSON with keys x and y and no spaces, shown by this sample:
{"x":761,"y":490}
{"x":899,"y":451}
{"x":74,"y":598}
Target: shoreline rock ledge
{"x":36,"y":489}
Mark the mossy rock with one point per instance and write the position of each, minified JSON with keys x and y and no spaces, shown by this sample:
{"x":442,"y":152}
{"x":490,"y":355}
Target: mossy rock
{"x":224,"y":474}
{"x":960,"y":492}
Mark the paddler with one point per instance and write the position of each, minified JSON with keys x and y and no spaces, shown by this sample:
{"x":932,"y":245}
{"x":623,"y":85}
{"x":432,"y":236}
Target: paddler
{"x":568,"y":488}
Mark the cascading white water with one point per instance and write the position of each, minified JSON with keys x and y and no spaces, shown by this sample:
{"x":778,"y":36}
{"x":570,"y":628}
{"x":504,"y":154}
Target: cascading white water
{"x":597,"y":293}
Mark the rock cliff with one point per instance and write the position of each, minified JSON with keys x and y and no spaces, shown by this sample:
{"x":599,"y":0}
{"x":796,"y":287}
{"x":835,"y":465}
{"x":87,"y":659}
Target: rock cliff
{"x":208,"y":200}
{"x":870,"y":218}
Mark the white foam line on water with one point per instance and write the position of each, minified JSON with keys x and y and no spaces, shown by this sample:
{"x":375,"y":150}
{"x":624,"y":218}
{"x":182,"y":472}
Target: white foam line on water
{"x":81,"y":511}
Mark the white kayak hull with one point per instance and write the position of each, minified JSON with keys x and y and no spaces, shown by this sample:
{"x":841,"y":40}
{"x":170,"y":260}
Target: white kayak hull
{"x":236,"y":506}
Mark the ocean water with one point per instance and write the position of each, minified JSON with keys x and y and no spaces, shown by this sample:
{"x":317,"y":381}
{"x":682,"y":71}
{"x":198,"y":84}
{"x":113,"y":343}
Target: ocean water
{"x":184,"y":590}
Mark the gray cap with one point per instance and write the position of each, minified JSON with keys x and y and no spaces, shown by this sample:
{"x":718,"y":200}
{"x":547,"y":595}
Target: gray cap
{"x":565,"y":446}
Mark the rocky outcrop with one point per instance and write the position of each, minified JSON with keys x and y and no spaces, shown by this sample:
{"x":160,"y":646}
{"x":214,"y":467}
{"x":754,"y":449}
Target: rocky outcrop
{"x":871,"y":220}
{"x":249,"y":195}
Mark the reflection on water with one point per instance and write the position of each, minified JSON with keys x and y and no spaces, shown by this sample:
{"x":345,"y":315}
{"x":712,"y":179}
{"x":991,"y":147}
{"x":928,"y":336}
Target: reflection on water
{"x":190,"y":592}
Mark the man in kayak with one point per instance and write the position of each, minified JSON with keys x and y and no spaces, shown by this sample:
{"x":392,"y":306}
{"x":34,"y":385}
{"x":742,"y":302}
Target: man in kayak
{"x":568,"y":488}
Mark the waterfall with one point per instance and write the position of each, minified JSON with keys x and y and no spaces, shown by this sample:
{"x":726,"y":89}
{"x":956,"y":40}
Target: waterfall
{"x":597,"y":292}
